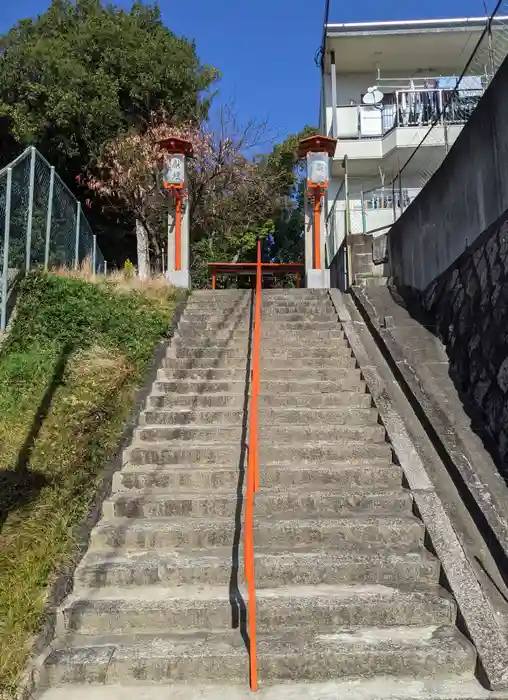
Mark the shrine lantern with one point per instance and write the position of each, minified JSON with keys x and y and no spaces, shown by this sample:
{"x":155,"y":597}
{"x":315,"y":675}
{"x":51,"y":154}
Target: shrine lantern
{"x":317,"y":150}
{"x":174,"y":181}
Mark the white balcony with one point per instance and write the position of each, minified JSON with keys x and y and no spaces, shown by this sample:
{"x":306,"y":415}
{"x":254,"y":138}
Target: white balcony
{"x":372,"y":131}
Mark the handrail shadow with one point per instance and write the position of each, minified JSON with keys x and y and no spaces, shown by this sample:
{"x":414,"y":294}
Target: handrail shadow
{"x":238,"y":606}
{"x":19,"y":485}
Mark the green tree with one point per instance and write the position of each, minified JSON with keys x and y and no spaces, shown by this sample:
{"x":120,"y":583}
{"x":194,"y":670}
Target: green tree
{"x":288,"y":217}
{"x":83,"y":72}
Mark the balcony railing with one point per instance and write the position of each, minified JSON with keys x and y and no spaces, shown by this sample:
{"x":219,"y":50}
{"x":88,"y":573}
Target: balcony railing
{"x":409,"y":109}
{"x":364,"y":212}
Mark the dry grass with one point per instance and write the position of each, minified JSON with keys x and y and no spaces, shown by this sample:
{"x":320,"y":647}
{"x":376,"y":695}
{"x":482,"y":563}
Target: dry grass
{"x":156,"y":287}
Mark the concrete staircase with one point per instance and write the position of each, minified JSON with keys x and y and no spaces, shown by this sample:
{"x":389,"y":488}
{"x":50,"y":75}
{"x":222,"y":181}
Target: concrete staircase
{"x":349,"y":602}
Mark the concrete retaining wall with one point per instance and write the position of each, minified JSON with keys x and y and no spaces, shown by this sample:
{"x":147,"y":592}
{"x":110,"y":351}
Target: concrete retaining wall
{"x":469,"y":303}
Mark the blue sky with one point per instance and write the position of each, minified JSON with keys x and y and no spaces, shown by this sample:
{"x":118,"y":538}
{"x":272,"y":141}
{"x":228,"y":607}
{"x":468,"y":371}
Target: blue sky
{"x":265,"y":48}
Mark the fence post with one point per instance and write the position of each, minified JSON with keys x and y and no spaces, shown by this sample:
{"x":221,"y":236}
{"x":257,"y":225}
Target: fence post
{"x":78,"y":224}
{"x":94,"y":254}
{"x":30,"y":210}
{"x":105,"y":268}
{"x":49,"y":216}
{"x":5,"y":266}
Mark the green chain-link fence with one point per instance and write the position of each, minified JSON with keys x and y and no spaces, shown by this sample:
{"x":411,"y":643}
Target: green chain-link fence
{"x":43,"y":224}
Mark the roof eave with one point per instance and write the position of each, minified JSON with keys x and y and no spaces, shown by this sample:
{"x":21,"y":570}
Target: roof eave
{"x":405,"y":26}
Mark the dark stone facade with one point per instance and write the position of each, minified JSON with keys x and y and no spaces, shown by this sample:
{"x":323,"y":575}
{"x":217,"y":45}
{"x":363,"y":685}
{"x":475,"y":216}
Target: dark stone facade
{"x":469,"y":305}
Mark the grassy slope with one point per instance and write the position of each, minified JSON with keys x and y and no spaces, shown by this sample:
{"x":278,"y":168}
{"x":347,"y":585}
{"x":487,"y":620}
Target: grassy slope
{"x":68,"y":373}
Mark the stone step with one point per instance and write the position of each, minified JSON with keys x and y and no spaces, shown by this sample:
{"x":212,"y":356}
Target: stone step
{"x":296,"y":349}
{"x":201,"y":374}
{"x":202,"y":294}
{"x":288,"y":317}
{"x":348,"y":397}
{"x":184,"y":453}
{"x":207,"y":324}
{"x":276,"y":434}
{"x":223,"y":310}
{"x":195,"y":335}
{"x":308,"y":354}
{"x":231,"y":306}
{"x":206,"y":363}
{"x":238,"y":362}
{"x":319,"y":331}
{"x":351,"y":381}
{"x":447,"y":687}
{"x":197,"y":387}
{"x":299,"y":299}
{"x":307,"y":566}
{"x":309,"y":337}
{"x":194,"y":400}
{"x":231,"y":300}
{"x":212,"y":344}
{"x":287,"y":374}
{"x":236,"y":385}
{"x":311,"y":374}
{"x":191,"y":533}
{"x":323,"y":608}
{"x":205,"y":312}
{"x":344,"y":359}
{"x":269,"y":502}
{"x":189,"y":332}
{"x":217,"y":658}
{"x":190,"y":416}
{"x":267,"y":416}
{"x":317,"y":321}
{"x":309,"y":325}
{"x":203,"y":352}
{"x":351,"y":474}
{"x":357,"y":399}
{"x":293,"y":293}
{"x":303,"y":311}
{"x":241,"y":321}
{"x":202,"y":310}
{"x":173,"y":452}
{"x":219,"y":296}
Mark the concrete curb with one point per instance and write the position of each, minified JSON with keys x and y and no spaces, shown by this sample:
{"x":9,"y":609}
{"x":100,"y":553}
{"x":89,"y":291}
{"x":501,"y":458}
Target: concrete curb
{"x":481,"y":497}
{"x":475,"y":610}
{"x":63,"y":583}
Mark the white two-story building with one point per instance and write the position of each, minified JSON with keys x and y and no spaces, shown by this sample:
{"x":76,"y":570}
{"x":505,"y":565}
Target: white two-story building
{"x":383,"y":84}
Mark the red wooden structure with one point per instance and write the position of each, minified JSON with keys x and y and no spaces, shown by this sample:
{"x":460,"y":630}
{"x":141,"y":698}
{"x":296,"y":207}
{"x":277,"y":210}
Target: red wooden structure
{"x":250,"y":269}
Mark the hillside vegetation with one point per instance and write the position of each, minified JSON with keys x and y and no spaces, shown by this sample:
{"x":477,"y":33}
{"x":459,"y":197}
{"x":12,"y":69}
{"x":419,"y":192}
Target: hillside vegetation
{"x":68,"y":373}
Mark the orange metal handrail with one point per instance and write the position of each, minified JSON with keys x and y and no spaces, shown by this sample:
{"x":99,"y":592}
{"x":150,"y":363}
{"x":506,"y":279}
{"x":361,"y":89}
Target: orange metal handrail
{"x":253,"y":477}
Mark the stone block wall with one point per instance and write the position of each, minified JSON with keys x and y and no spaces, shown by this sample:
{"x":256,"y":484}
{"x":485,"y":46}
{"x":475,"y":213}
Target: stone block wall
{"x":469,"y":304}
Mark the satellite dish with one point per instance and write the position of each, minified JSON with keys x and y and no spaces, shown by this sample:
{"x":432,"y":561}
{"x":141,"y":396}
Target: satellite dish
{"x":373,"y":96}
